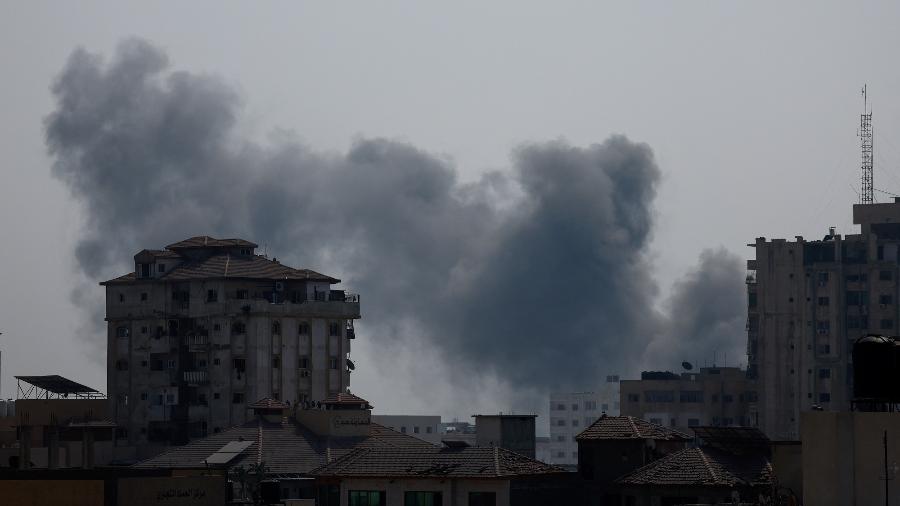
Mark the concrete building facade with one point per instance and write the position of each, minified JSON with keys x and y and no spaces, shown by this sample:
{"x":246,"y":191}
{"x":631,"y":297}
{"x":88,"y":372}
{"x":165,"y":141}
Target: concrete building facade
{"x":204,"y":327}
{"x":572,"y":412}
{"x":424,"y":427}
{"x":808,"y":301}
{"x":715,"y":396}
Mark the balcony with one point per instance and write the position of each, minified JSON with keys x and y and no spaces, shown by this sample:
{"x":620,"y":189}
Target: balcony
{"x":196,"y":378}
{"x":345,"y":308}
{"x":198,"y":344}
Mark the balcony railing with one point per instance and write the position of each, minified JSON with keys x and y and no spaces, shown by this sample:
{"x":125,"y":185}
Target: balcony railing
{"x":196,"y":377}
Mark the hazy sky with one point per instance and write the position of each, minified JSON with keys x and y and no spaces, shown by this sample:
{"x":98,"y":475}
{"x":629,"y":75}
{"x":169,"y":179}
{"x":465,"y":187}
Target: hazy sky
{"x":750,"y":108}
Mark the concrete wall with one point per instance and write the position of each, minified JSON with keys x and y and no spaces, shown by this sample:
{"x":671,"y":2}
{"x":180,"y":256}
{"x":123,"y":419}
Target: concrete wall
{"x":512,"y":432}
{"x":843,"y":457}
{"x":726,"y":399}
{"x":454,"y":492}
{"x":572,"y":412}
{"x":424,"y":427}
{"x":52,"y":492}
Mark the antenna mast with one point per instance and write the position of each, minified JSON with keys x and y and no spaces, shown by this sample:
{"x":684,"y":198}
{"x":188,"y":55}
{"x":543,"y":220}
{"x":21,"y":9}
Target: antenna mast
{"x":865,"y":136}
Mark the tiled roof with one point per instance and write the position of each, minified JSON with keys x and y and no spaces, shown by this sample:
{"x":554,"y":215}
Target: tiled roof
{"x":205,"y":241}
{"x":224,"y":265}
{"x":465,"y":462}
{"x":345,"y":398}
{"x":285,"y":448}
{"x":702,"y":466}
{"x":268,"y":403}
{"x":629,"y":427}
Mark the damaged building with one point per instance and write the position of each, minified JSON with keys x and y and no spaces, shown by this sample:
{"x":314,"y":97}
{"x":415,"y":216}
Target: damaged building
{"x":204,"y":326}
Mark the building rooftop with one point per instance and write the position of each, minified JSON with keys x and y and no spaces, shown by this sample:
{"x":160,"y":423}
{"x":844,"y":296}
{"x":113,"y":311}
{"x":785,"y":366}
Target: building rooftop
{"x":629,"y":427}
{"x":286,"y":448}
{"x":435,"y":462}
{"x":346,"y":399}
{"x":205,"y":241}
{"x":225,"y":265}
{"x":704,"y":467}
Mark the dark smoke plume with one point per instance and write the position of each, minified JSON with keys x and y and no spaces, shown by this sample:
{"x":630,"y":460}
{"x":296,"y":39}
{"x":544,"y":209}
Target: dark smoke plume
{"x":538,"y":275}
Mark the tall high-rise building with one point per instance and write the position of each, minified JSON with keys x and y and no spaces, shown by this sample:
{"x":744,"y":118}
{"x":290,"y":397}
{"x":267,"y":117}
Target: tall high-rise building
{"x":205,"y":327}
{"x":808,"y":301}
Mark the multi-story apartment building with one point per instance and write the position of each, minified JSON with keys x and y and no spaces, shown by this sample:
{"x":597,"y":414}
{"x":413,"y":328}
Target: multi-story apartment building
{"x":717,"y":396}
{"x":571,"y":413}
{"x":426,"y":427}
{"x":206,"y":326}
{"x":808,"y":301}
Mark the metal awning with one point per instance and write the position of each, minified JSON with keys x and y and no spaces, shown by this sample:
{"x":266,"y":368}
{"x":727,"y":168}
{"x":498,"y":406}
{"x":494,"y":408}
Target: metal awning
{"x":53,"y":386}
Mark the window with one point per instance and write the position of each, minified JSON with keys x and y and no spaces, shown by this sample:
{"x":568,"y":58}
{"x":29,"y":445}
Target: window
{"x":170,"y":364}
{"x":693,"y":422}
{"x":216,"y":395}
{"x":427,"y":430}
{"x":856,"y":298}
{"x":239,"y":364}
{"x":121,"y":297}
{"x":657,"y":421}
{"x":887,"y":324}
{"x":560,"y":407}
{"x":482,"y":498}
{"x":612,"y":379}
{"x":161,"y":267}
{"x":144,"y":329}
{"x":303,"y":329}
{"x":823,"y":301}
{"x":276,"y":362}
{"x":242,"y":294}
{"x":574,"y":407}
{"x":690,"y":396}
{"x":823,"y":278}
{"x":144,"y":396}
{"x":238,"y":328}
{"x":123,"y":332}
{"x":727,"y":398}
{"x":590,"y":405}
{"x":561,"y":438}
{"x":143,"y":363}
{"x":823,"y":326}
{"x":121,"y":433}
{"x":415,"y":430}
{"x":574,"y":422}
{"x":332,"y":363}
{"x":237,"y":398}
{"x":561,"y":455}
{"x":885,"y":299}
{"x":824,"y":373}
{"x":303,"y":362}
{"x":334,"y":329}
{"x":216,"y":327}
{"x":825,"y":397}
{"x":366,"y":498}
{"x":422,"y":499}
{"x":588,"y":421}
{"x":217,"y":361}
{"x":659,"y":396}
{"x":212,"y":296}
{"x":604,"y":407}
{"x":276,"y":328}
{"x":560,"y":423}
{"x":403,"y":430}
{"x":634,"y":398}
{"x":885,"y":275}
{"x":824,"y":349}
{"x":144,"y":296}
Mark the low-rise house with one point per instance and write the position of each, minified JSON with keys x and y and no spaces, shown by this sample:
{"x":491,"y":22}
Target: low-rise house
{"x":461,"y":475}
{"x":730,"y":466}
{"x":615,"y":445}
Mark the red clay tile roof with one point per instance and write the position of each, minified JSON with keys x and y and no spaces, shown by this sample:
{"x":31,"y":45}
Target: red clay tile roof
{"x":205,"y":241}
{"x":286,"y":448}
{"x":702,"y":466}
{"x":629,"y":427}
{"x":224,"y":265}
{"x":268,"y":403}
{"x":435,"y":462}
{"x":345,"y":398}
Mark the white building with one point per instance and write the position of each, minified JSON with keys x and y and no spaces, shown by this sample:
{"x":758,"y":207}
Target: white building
{"x":808,"y":301}
{"x":571,"y":413}
{"x":424,"y":427}
{"x":205,"y":327}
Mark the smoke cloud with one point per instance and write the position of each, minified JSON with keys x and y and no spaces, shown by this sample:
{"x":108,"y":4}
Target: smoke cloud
{"x":537,"y":275}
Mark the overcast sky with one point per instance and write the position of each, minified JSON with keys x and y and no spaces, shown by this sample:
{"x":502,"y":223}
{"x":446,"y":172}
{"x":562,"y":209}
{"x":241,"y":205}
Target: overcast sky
{"x":751,"y":110}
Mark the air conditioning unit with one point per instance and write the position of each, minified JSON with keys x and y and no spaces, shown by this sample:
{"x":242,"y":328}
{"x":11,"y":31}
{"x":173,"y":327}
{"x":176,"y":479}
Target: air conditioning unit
{"x":279,"y":286}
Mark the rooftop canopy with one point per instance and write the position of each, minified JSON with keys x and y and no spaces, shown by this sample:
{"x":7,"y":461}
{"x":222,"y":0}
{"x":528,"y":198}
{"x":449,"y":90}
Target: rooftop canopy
{"x":53,"y":386}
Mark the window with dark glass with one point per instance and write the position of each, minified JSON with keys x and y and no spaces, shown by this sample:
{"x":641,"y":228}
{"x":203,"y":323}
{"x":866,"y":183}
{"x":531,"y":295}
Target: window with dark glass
{"x":690,"y":396}
{"x":212,"y":295}
{"x":885,"y":275}
{"x":366,"y":498}
{"x":885,"y":299}
{"x":422,"y":499}
{"x":482,"y":498}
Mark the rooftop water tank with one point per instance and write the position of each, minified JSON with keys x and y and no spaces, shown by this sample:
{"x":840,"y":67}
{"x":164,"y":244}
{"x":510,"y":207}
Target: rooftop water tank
{"x":873,"y":367}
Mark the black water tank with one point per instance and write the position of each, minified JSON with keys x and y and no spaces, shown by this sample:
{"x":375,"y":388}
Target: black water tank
{"x":894,"y":387}
{"x":873,"y":367}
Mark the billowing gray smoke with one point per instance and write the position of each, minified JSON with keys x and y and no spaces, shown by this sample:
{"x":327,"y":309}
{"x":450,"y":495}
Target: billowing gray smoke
{"x":538,"y":275}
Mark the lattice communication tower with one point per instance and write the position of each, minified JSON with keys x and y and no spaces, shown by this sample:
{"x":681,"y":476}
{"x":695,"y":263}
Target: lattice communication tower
{"x":865,"y":136}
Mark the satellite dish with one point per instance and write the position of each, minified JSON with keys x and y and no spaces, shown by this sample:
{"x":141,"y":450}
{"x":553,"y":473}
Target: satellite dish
{"x":687,"y":366}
